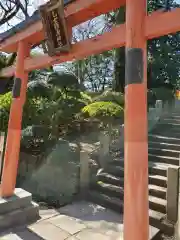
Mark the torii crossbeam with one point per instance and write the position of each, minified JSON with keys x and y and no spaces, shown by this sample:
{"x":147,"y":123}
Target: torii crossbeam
{"x":133,"y":34}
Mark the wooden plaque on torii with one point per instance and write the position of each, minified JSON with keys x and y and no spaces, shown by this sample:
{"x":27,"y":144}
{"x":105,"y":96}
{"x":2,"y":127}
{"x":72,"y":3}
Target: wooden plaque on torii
{"x":55,"y":28}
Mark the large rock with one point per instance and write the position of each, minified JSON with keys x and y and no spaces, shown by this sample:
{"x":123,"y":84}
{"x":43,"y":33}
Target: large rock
{"x":56,"y":178}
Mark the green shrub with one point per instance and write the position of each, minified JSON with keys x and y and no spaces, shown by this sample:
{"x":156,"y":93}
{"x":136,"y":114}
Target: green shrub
{"x":109,"y":96}
{"x":39,"y":89}
{"x":103,"y":110}
{"x":5,"y":101}
{"x":34,"y":139}
{"x":30,"y":112}
{"x":5,"y":104}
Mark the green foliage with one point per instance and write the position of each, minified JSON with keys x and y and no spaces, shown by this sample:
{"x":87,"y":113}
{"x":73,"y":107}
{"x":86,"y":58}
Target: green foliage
{"x":163,"y":93}
{"x":163,"y":54}
{"x":102,"y":110}
{"x":164,"y":58}
{"x":67,"y":106}
{"x":57,"y":112}
{"x":63,"y":80}
{"x":39,"y":89}
{"x":86,"y":97}
{"x":5,"y":103}
{"x":110,"y":96}
{"x":31,"y":112}
{"x":35,"y":138}
{"x":6,"y":82}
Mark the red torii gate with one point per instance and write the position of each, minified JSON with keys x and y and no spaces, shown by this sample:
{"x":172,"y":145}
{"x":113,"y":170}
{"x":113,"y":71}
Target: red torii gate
{"x":134,"y":34}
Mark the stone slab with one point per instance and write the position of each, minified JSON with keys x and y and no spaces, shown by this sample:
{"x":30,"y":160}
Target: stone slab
{"x":82,"y":221}
{"x":82,"y":209}
{"x":68,"y":224}
{"x":48,"y":231}
{"x":20,"y":199}
{"x":47,"y":213}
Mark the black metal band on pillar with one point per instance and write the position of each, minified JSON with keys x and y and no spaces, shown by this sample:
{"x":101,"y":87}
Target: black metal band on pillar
{"x":134,"y":66}
{"x":16,"y":88}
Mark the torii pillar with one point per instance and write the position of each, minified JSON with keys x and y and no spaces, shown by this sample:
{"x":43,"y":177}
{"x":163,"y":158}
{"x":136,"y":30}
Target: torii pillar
{"x":11,"y":158}
{"x":136,"y":215}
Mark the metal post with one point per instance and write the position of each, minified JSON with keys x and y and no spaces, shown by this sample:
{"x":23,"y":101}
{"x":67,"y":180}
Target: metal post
{"x":12,"y":149}
{"x":136,"y":207}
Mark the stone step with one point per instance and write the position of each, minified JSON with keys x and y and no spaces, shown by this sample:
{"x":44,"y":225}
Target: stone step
{"x":114,"y":190}
{"x":109,"y":189}
{"x":164,"y":145}
{"x":173,"y":127}
{"x":158,"y":168}
{"x":155,"y":169}
{"x":20,"y":199}
{"x":156,"y":220}
{"x":118,"y":180}
{"x":170,"y":123}
{"x":157,"y":191}
{"x":157,"y":180}
{"x":117,"y":168}
{"x":116,"y":205}
{"x":104,"y":200}
{"x":111,"y":179}
{"x":19,"y":216}
{"x":157,"y":204}
{"x":163,"y":159}
{"x":161,"y":138}
{"x":175,"y":135}
{"x":164,"y":152}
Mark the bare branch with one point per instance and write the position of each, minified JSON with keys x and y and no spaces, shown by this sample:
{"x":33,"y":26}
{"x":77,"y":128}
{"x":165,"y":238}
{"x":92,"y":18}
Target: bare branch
{"x":10,"y":8}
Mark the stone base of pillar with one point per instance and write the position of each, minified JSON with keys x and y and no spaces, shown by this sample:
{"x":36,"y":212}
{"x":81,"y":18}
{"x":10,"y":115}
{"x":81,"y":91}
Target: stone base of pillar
{"x":17,"y":210}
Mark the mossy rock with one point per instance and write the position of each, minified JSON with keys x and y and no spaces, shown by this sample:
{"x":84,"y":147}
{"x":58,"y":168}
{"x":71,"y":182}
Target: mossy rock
{"x":58,"y":176}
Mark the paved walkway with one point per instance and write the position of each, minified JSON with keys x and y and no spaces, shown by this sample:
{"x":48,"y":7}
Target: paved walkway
{"x":79,"y":221}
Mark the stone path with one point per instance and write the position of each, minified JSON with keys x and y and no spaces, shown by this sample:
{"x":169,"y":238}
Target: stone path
{"x":79,"y":221}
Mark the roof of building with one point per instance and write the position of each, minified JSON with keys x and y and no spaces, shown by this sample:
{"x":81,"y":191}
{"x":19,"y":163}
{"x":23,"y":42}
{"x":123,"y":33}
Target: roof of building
{"x":24,"y":24}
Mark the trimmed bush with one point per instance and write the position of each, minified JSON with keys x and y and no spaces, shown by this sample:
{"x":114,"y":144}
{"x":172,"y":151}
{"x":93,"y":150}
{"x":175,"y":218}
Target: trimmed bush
{"x":102,"y":110}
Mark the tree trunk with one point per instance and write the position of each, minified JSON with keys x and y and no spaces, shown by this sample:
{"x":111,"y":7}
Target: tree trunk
{"x":119,"y":68}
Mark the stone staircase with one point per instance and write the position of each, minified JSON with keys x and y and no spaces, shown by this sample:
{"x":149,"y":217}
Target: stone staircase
{"x":164,"y":150}
{"x":17,"y":210}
